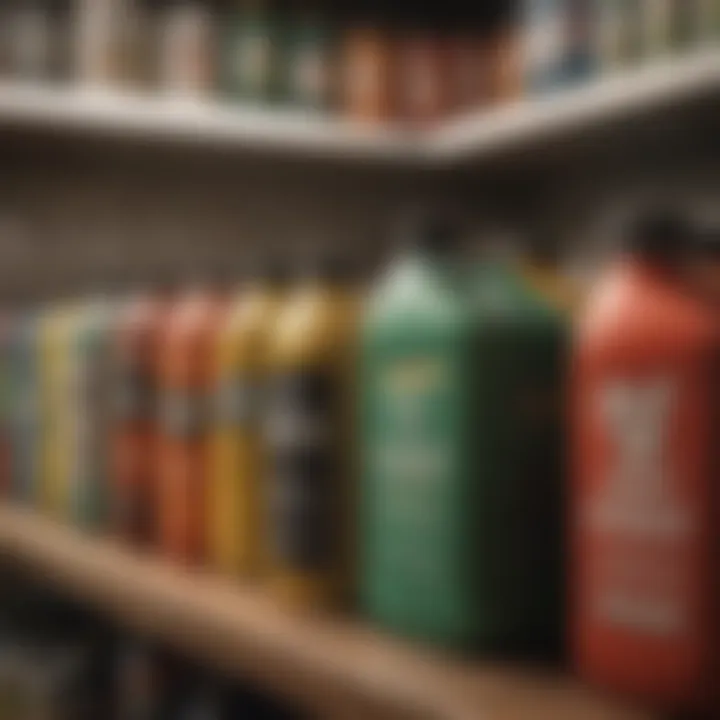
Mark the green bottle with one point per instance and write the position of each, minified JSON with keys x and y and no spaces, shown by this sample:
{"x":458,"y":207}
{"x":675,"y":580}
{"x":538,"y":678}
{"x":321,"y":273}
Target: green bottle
{"x":252,"y":52}
{"x":461,"y":457}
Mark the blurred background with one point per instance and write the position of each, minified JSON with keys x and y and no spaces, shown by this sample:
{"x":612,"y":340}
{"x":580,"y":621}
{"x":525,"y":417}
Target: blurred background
{"x":166,"y":151}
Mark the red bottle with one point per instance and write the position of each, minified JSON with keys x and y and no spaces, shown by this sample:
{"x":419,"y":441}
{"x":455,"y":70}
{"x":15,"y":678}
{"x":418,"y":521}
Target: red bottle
{"x":185,"y":375}
{"x":645,"y":502}
{"x":134,"y":439}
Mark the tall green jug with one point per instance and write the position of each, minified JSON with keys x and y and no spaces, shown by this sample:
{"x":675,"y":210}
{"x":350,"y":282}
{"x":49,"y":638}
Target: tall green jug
{"x":460,"y":447}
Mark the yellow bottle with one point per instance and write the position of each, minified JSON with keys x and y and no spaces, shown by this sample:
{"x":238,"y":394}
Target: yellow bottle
{"x":310,"y":485}
{"x":55,"y":399}
{"x":238,"y":459}
{"x":541,"y":269}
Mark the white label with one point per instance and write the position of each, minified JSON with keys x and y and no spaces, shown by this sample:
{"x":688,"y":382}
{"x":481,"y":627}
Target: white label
{"x":637,"y":515}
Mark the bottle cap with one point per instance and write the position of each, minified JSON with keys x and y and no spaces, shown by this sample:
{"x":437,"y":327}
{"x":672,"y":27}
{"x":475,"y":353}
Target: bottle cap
{"x":660,"y":234}
{"x":434,"y":233}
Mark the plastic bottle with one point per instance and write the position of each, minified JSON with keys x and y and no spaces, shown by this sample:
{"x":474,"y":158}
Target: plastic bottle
{"x":310,"y":484}
{"x":367,"y":62}
{"x":644,"y":517}
{"x":134,"y":397}
{"x":702,"y":269}
{"x":25,"y":421}
{"x":186,"y":358}
{"x":309,"y":55}
{"x":460,"y":452}
{"x":251,"y":51}
{"x":57,"y":402}
{"x":421,"y":67}
{"x":239,"y":457}
{"x":540,"y":267}
{"x":89,"y":336}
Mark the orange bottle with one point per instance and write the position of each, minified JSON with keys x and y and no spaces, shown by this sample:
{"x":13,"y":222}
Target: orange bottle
{"x":135,"y":355}
{"x":644,"y":510}
{"x":185,"y":375}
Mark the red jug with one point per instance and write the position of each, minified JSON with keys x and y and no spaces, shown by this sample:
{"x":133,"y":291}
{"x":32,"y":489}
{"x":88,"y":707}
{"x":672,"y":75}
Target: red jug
{"x":644,"y":511}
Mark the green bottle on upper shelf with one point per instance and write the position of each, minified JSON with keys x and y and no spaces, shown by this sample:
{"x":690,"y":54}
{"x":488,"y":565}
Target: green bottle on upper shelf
{"x":461,"y":447}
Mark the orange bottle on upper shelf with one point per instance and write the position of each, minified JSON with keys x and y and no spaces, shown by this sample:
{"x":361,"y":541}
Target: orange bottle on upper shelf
{"x":367,"y":58}
{"x":185,"y":367}
{"x":644,"y":512}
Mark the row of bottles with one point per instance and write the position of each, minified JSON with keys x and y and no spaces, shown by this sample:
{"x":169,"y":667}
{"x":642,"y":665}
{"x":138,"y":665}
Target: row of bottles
{"x":411,"y":453}
{"x":371,"y":61}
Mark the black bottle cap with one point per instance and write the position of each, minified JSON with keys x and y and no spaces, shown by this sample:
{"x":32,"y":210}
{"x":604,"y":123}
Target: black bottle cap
{"x":435,"y":236}
{"x":330,"y":267}
{"x":662,"y":235}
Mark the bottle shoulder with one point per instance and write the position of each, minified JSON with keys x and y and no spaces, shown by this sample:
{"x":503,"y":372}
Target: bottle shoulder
{"x":315,"y":324}
{"x":624,"y":315}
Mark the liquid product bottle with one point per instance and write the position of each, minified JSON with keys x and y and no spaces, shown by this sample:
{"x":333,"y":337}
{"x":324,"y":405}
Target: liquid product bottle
{"x":310,"y":483}
{"x":581,"y":57}
{"x":542,"y":44}
{"x":619,"y":33}
{"x":461,"y":392}
{"x":25,"y":422}
{"x":421,"y":77}
{"x":367,"y":60}
{"x":134,"y":395}
{"x":702,"y":269}
{"x":88,"y":416}
{"x":186,"y":40}
{"x":6,"y":382}
{"x":656,"y":26}
{"x":239,"y":461}
{"x":251,"y":50}
{"x":56,"y":404}
{"x":541,"y":269}
{"x":504,"y":41}
{"x":309,"y":55}
{"x":186,"y":360}
{"x":466,"y":48}
{"x":644,"y":518}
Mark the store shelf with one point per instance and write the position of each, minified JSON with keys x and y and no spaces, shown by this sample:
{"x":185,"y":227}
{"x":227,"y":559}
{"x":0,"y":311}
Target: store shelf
{"x":470,"y":138}
{"x":605,"y":101}
{"x":86,"y":112}
{"x":336,"y":668}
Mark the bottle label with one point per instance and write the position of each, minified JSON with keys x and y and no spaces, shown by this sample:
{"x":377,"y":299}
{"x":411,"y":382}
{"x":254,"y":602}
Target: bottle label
{"x":238,"y":403}
{"x":413,"y":463}
{"x":302,"y":431}
{"x":642,"y":524}
{"x":183,"y":412}
{"x":132,"y":399}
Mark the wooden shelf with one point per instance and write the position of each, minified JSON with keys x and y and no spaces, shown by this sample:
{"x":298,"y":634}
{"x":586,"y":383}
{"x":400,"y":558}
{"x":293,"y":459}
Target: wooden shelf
{"x":337,"y":668}
{"x":80,"y":113}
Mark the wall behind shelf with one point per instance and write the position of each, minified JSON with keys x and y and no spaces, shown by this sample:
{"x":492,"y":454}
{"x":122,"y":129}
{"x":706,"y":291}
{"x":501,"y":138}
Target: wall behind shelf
{"x":65,"y":204}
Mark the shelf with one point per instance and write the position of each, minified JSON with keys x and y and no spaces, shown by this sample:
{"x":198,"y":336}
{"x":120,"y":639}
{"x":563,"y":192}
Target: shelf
{"x":333,"y":667}
{"x":291,"y":133}
{"x":82,"y":112}
{"x":599,"y":103}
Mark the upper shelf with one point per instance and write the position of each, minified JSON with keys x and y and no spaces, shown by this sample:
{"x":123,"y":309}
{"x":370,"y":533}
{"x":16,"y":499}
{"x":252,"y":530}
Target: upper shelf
{"x":470,"y":138}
